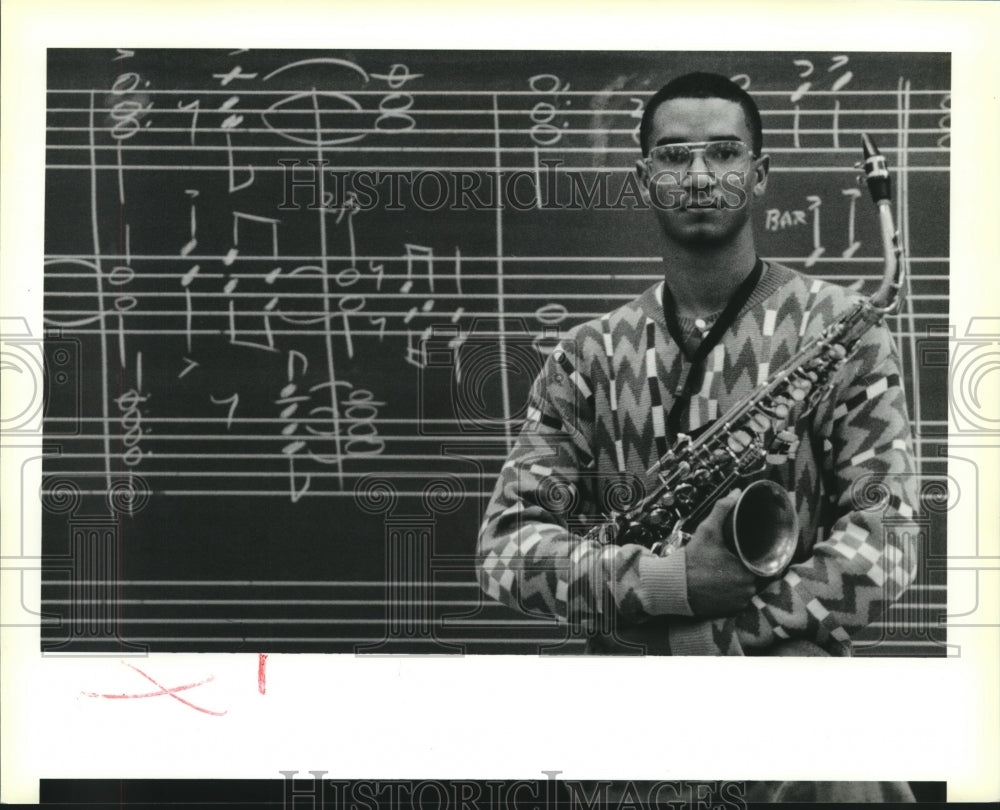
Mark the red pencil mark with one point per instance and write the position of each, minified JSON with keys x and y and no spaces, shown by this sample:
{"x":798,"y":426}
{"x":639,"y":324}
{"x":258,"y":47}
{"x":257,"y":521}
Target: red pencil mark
{"x":262,"y":673}
{"x":172,"y":692}
{"x":149,"y":694}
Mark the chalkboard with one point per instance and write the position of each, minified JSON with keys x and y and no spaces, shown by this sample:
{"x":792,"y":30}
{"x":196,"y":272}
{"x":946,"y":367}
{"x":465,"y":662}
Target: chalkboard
{"x":294,"y":301}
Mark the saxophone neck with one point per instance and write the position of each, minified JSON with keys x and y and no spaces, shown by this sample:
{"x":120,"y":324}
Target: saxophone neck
{"x":888,"y":298}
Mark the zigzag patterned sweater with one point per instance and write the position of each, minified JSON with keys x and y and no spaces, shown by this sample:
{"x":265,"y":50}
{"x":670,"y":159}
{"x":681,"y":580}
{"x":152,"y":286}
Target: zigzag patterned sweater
{"x":596,"y":422}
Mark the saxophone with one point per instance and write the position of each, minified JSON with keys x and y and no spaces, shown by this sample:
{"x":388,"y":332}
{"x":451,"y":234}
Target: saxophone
{"x":758,"y":432}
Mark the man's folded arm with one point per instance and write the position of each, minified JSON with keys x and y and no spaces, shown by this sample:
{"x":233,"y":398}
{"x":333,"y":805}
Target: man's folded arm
{"x":531,"y":555}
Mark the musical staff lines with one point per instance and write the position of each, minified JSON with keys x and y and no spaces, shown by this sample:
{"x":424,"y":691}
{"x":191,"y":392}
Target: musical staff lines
{"x":332,"y":616}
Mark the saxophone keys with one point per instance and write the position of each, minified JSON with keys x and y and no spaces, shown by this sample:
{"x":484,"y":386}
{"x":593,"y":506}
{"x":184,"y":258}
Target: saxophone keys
{"x":738,"y":440}
{"x":667,"y":499}
{"x":684,"y":493}
{"x":783,"y":448}
{"x":636,"y":532}
{"x":759,"y":423}
{"x":791,"y":440}
{"x":658,"y":517}
{"x":722,"y":458}
{"x":779,"y":410}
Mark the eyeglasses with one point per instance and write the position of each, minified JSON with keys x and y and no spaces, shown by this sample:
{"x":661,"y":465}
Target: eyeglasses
{"x":719,"y":156}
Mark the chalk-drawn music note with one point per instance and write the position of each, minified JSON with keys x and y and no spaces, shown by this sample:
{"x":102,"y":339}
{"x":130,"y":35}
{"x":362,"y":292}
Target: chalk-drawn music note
{"x":543,"y":131}
{"x":944,"y":122}
{"x":349,"y":209}
{"x":537,"y":172}
{"x":123,"y":303}
{"x":238,"y":217}
{"x":841,"y":81}
{"x":808,"y":70}
{"x":294,"y":355}
{"x":836,"y":63}
{"x":192,"y":243}
{"x":803,"y":88}
{"x":289,"y":398}
{"x":348,"y":303}
{"x":296,"y":492}
{"x":852,"y":245}
{"x":416,"y":341}
{"x":818,"y":250}
{"x":265,"y":313}
{"x":397,"y":76}
{"x":233,"y":185}
{"x":427,"y":306}
{"x":416,"y":347}
{"x":797,"y":95}
{"x":455,"y":344}
{"x":458,"y":269}
{"x":234,"y":120}
{"x":230,"y":287}
{"x":415,"y":253}
{"x":130,"y":410}
{"x":795,"y":126}
{"x":186,"y":281}
{"x":229,"y":124}
{"x":332,"y":100}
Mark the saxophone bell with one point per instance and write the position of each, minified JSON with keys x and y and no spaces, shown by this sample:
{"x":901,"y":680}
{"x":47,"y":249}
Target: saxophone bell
{"x":763,"y":528}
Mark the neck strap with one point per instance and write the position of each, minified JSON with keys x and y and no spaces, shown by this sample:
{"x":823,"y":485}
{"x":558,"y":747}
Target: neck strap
{"x":725,"y":320}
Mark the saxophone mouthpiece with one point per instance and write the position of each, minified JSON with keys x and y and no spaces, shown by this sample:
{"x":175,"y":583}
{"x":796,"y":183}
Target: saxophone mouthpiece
{"x":876,"y":171}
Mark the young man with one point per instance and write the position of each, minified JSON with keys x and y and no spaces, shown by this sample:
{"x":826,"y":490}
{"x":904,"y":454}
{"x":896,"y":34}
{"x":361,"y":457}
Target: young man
{"x":616,"y":392}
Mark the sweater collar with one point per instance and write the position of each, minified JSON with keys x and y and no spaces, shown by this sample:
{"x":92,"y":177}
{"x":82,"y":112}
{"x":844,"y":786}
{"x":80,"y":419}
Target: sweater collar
{"x":774,"y":278}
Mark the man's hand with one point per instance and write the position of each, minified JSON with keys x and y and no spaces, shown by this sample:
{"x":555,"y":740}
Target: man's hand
{"x":717,"y":582}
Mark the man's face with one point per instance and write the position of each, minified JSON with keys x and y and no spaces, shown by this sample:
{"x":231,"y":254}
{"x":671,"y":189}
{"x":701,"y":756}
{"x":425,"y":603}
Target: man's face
{"x":699,"y":205}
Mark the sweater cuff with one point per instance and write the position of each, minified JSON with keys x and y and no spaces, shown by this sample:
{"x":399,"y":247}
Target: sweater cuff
{"x":664,"y":583}
{"x":692,"y":638}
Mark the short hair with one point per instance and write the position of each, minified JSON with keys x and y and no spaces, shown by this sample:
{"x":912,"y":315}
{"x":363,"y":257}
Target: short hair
{"x":703,"y":85}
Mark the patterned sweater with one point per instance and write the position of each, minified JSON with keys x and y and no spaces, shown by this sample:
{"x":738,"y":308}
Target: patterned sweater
{"x":597,"y":422}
